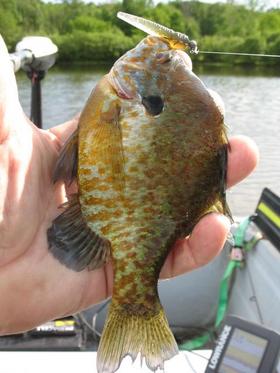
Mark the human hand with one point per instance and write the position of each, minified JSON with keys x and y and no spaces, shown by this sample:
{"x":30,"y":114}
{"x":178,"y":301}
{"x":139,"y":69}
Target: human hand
{"x":35,"y":287}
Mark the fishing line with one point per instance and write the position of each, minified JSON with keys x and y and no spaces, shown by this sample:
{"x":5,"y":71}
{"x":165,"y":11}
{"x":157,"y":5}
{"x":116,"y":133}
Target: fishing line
{"x":96,"y":313}
{"x":190,"y":364}
{"x":255,"y":299}
{"x":81,"y":317}
{"x":242,"y":54}
{"x":199,"y":355}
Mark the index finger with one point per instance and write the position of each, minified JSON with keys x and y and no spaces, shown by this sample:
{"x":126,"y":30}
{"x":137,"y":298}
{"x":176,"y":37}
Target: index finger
{"x":209,"y":235}
{"x":243,"y":157}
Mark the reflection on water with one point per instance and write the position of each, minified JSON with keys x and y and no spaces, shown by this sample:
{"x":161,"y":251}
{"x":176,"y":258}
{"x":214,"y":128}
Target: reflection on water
{"x":252,"y":108}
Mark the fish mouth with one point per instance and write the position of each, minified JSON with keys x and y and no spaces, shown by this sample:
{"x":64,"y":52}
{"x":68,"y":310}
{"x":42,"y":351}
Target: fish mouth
{"x":185,"y":58}
{"x":121,"y":90}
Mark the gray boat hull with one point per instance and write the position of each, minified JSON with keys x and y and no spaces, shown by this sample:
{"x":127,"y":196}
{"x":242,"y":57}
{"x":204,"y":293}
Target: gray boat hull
{"x":191,"y":300}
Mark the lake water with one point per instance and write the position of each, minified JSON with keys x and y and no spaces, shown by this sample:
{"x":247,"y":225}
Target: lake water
{"x":251,"y":97}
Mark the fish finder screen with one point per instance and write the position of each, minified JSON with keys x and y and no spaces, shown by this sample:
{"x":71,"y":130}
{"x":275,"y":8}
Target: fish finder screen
{"x":243,"y":354}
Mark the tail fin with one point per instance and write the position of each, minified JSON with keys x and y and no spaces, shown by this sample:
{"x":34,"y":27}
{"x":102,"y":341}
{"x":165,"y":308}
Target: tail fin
{"x":130,"y":334}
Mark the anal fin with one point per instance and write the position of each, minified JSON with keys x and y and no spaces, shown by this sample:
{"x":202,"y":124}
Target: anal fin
{"x":73,"y":243}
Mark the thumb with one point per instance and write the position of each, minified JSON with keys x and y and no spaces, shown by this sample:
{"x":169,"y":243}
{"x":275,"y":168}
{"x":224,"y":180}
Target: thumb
{"x":10,"y":109}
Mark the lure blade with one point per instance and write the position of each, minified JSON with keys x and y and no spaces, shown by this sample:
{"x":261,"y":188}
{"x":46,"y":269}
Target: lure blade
{"x":177,"y":40}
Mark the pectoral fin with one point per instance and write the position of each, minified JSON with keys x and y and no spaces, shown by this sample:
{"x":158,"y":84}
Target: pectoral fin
{"x":73,"y":243}
{"x":67,"y":164}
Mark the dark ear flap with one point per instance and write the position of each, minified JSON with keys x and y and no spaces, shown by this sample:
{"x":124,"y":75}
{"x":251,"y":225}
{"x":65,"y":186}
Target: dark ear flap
{"x":223,"y":160}
{"x":73,"y":243}
{"x":67,"y":164}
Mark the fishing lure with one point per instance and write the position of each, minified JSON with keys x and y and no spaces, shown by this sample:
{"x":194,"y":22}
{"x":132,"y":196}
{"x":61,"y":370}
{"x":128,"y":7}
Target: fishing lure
{"x":176,"y":40}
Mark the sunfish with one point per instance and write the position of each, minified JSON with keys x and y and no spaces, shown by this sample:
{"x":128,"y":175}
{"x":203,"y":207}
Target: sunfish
{"x":150,"y":158}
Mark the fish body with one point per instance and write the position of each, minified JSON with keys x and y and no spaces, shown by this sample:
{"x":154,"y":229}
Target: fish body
{"x":150,"y":157}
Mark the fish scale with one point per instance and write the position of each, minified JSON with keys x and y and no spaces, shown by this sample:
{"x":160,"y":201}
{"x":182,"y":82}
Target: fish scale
{"x":151,"y":160}
{"x":154,"y":198}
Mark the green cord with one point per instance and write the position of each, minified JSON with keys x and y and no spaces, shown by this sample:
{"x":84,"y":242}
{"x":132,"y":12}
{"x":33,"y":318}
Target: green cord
{"x":196,"y":343}
{"x":239,"y":238}
{"x":224,"y":291}
{"x":239,"y":234}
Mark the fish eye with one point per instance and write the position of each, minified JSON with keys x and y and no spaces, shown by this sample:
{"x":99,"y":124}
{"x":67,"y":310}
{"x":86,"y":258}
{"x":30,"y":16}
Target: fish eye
{"x":153,"y":104}
{"x":164,"y":57}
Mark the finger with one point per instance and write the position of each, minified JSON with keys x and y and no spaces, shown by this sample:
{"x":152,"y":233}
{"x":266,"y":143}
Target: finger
{"x":9,"y":103}
{"x":63,"y":131}
{"x":243,"y":158}
{"x":94,"y":294}
{"x":205,"y":242}
{"x":7,"y":78}
{"x":209,"y":235}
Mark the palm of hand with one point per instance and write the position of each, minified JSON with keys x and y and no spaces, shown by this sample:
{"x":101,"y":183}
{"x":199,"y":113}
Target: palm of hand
{"x":34,"y":287}
{"x":32,"y":283}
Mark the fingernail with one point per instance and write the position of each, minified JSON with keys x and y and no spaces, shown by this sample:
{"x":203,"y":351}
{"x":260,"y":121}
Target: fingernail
{"x":224,"y":220}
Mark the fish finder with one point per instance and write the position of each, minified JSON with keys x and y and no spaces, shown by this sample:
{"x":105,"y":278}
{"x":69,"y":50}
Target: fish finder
{"x":245,"y":347}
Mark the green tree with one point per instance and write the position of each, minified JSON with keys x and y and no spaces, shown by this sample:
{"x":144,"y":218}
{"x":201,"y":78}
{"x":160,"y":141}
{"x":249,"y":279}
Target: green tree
{"x":89,"y":31}
{"x":88,"y":24}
